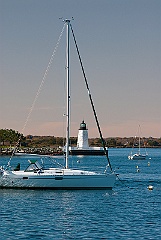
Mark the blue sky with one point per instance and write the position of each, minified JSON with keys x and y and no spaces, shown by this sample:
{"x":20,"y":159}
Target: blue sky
{"x":120,"y":45}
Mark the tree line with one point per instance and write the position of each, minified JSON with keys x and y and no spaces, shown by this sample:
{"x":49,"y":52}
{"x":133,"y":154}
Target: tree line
{"x":10,"y":137}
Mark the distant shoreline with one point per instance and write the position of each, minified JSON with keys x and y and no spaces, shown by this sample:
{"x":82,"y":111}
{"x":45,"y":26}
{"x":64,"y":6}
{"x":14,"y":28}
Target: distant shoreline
{"x":10,"y":138}
{"x":46,"y":151}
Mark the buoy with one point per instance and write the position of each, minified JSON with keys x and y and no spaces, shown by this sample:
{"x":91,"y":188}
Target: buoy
{"x":148,"y":164}
{"x":137,"y":169}
{"x":150,"y":187}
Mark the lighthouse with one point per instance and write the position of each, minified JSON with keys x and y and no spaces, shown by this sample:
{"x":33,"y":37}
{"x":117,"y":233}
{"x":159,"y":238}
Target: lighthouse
{"x":82,"y":147}
{"x":82,"y":142}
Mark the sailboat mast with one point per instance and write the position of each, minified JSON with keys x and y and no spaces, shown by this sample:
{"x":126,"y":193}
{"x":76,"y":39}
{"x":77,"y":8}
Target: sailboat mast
{"x":68,"y":94}
{"x":139,"y":139}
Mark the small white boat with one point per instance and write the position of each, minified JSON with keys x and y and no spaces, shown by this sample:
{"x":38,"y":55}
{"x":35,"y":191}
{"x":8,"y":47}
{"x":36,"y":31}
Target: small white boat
{"x":138,"y":155}
{"x":37,"y":177}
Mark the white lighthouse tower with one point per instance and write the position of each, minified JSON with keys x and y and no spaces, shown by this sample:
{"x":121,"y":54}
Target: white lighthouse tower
{"x":82,"y":142}
{"x":82,"y":147}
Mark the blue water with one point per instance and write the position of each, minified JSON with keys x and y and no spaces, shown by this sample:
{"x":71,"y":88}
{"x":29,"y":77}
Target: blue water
{"x":129,"y":211}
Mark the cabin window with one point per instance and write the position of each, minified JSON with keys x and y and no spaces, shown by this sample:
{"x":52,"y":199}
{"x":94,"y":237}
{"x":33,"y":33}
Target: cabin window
{"x":25,"y":177}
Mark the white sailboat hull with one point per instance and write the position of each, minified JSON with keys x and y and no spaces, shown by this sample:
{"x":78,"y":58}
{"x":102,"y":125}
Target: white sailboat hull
{"x":137,"y":157}
{"x":57,"y":179}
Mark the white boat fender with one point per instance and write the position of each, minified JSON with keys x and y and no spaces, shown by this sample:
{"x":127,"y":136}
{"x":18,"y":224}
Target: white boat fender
{"x":1,"y":170}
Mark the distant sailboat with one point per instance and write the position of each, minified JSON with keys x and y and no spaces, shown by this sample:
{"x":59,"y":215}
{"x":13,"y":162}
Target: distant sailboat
{"x":138,"y":155}
{"x":36,"y":176}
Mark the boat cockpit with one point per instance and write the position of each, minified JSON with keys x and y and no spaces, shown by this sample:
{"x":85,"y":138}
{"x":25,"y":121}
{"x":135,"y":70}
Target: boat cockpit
{"x":34,"y":166}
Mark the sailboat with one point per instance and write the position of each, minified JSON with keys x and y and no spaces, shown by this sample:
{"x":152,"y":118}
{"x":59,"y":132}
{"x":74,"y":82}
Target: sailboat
{"x":138,"y":155}
{"x":36,"y":176}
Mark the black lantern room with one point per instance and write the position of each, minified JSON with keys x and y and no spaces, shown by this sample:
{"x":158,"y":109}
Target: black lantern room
{"x":83,"y":126}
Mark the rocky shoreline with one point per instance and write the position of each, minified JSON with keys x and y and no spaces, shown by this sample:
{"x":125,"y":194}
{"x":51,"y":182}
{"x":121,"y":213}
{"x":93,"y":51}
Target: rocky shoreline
{"x":39,"y":151}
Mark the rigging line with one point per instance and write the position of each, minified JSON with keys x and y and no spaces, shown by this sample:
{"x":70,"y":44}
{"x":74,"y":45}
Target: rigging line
{"x":54,"y":161}
{"x":90,"y":97}
{"x":44,"y":78}
{"x":39,"y":90}
{"x":122,"y":181}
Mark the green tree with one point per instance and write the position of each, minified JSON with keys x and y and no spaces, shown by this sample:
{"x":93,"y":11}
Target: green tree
{"x":9,"y":135}
{"x":111,"y":142}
